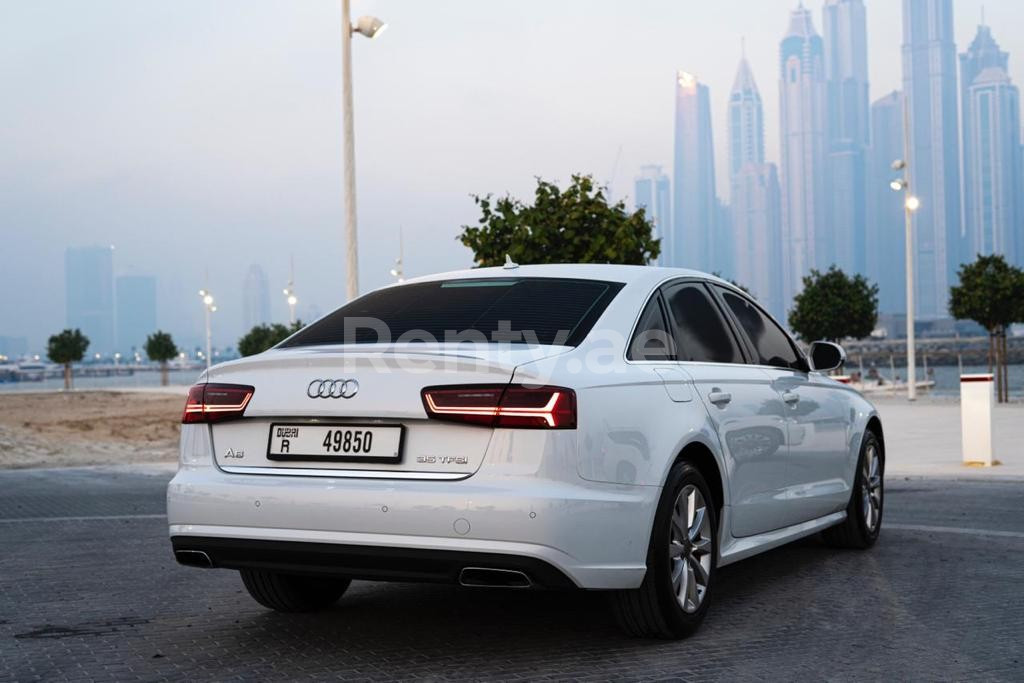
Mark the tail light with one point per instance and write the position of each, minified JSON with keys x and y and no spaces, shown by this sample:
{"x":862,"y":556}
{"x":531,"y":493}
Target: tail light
{"x":499,"y":405}
{"x":216,"y":402}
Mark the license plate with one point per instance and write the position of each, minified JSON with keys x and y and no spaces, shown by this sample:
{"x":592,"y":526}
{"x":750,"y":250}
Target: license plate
{"x":335,"y":442}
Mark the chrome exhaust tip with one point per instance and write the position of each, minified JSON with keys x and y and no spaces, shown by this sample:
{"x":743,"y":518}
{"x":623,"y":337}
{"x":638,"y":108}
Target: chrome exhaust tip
{"x":493,"y":578}
{"x":193,"y":558}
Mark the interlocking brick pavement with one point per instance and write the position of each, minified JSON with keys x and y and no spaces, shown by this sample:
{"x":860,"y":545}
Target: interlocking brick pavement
{"x":103,"y":599}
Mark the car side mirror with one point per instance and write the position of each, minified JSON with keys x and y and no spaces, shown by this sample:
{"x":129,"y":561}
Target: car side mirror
{"x":826,"y":356}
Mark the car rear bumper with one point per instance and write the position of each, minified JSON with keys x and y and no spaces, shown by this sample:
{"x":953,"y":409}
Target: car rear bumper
{"x":375,"y":563}
{"x":560,"y":534}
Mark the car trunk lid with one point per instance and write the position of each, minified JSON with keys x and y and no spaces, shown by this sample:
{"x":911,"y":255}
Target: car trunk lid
{"x":375,"y":389}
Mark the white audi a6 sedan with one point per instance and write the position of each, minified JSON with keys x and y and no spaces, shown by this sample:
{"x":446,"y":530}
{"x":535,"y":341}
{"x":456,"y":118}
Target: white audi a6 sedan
{"x":616,"y":428}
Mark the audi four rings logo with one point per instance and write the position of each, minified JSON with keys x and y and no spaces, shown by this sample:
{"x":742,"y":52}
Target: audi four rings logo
{"x":332,"y":388}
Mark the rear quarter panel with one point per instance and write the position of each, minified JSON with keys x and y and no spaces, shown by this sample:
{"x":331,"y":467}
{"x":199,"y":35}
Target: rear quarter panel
{"x":629,"y":428}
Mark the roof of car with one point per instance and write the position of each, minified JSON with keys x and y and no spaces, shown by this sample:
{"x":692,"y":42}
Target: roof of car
{"x":584,"y":271}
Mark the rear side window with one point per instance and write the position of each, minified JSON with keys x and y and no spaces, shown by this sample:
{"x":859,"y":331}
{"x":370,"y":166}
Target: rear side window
{"x":513,"y":310}
{"x":651,"y":340}
{"x":771,"y":343}
{"x":701,"y":332}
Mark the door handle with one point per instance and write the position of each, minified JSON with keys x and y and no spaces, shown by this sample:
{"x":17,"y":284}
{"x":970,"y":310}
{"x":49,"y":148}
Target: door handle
{"x":718,"y":397}
{"x":790,"y":397}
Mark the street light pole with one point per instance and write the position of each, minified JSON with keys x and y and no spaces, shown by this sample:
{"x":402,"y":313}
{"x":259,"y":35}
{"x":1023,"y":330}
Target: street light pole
{"x":908,"y":219}
{"x":209,"y":309}
{"x":209,"y":338}
{"x":351,"y":250}
{"x":398,"y":272}
{"x":369,"y":27}
{"x":289,"y":293}
{"x":910,"y":204}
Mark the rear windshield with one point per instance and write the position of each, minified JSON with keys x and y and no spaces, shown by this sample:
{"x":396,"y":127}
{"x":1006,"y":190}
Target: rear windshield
{"x":527,"y":310}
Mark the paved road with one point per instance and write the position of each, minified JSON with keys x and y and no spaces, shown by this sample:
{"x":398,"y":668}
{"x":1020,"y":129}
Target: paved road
{"x":88,"y":589}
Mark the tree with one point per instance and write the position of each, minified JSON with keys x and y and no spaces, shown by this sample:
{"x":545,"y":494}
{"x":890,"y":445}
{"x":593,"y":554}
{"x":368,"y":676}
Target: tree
{"x":263,"y":337}
{"x":990,"y":293}
{"x":576,"y":225}
{"x":66,"y":348}
{"x":834,"y":306}
{"x":160,"y":348}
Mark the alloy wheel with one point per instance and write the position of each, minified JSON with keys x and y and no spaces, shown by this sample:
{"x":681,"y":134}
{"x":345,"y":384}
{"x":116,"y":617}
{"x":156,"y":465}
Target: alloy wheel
{"x":690,"y":547}
{"x":871,"y":488}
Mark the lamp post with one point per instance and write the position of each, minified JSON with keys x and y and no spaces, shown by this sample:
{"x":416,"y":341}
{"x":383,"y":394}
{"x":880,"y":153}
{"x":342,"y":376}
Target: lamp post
{"x":910,"y":204}
{"x":292,"y":300}
{"x":289,"y":294}
{"x":369,"y":27}
{"x":398,"y":272}
{"x":208,"y":308}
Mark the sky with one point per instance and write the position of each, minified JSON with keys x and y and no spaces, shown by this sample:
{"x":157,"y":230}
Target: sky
{"x":200,"y":137}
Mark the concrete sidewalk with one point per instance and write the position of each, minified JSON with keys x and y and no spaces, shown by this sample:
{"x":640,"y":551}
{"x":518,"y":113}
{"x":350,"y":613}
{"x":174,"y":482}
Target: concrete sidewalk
{"x":923,"y":439}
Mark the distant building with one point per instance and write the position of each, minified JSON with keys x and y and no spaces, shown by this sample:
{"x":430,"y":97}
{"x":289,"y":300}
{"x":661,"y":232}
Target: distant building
{"x":886,"y":227}
{"x":89,"y":289}
{"x":993,"y":165}
{"x":691,"y":242}
{"x":255,"y":298}
{"x":755,"y":199}
{"x":805,"y":232}
{"x":653,"y":194}
{"x":992,"y":173}
{"x":929,"y":81}
{"x":847,"y":133}
{"x":136,"y":311}
{"x":746,"y":120}
{"x":981,"y":54}
{"x":722,"y":261}
{"x":757,"y":224}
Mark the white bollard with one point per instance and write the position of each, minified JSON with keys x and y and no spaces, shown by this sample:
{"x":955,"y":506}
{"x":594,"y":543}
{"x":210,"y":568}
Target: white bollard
{"x":976,"y":396}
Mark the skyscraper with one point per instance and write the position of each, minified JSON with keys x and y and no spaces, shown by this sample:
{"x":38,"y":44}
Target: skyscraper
{"x":992,"y":166}
{"x":89,"y":289}
{"x":255,"y":298}
{"x":654,"y":195}
{"x":982,"y":54}
{"x":692,"y":241}
{"x":746,"y":120}
{"x":886,"y":229}
{"x":136,"y":311}
{"x":802,"y":113}
{"x":846,"y":130}
{"x":929,"y":81}
{"x":1020,"y":224}
{"x":755,"y":211}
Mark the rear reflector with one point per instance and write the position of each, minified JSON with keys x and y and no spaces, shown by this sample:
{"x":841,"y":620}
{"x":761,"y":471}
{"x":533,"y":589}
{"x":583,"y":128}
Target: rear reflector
{"x":499,"y":405}
{"x":216,"y":402}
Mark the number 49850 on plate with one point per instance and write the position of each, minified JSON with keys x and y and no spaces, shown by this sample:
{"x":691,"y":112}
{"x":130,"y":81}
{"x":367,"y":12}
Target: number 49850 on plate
{"x":335,"y":442}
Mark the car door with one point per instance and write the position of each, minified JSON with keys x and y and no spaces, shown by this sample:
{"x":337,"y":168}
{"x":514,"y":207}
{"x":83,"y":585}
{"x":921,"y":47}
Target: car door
{"x":746,"y":412}
{"x":819,"y":420}
{"x":653,"y":345}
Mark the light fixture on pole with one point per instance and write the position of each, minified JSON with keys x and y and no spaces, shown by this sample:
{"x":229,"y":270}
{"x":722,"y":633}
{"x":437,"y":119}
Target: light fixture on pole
{"x":369,"y":27}
{"x":398,"y":271}
{"x":910,"y":205}
{"x":208,"y":308}
{"x":289,"y":294}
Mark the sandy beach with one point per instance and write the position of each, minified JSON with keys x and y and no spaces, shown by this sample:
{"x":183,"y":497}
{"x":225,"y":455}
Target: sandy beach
{"x":58,"y":429}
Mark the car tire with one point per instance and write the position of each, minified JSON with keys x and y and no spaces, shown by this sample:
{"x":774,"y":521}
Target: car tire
{"x":656,"y":609}
{"x":287,"y":593}
{"x":863,"y":520}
